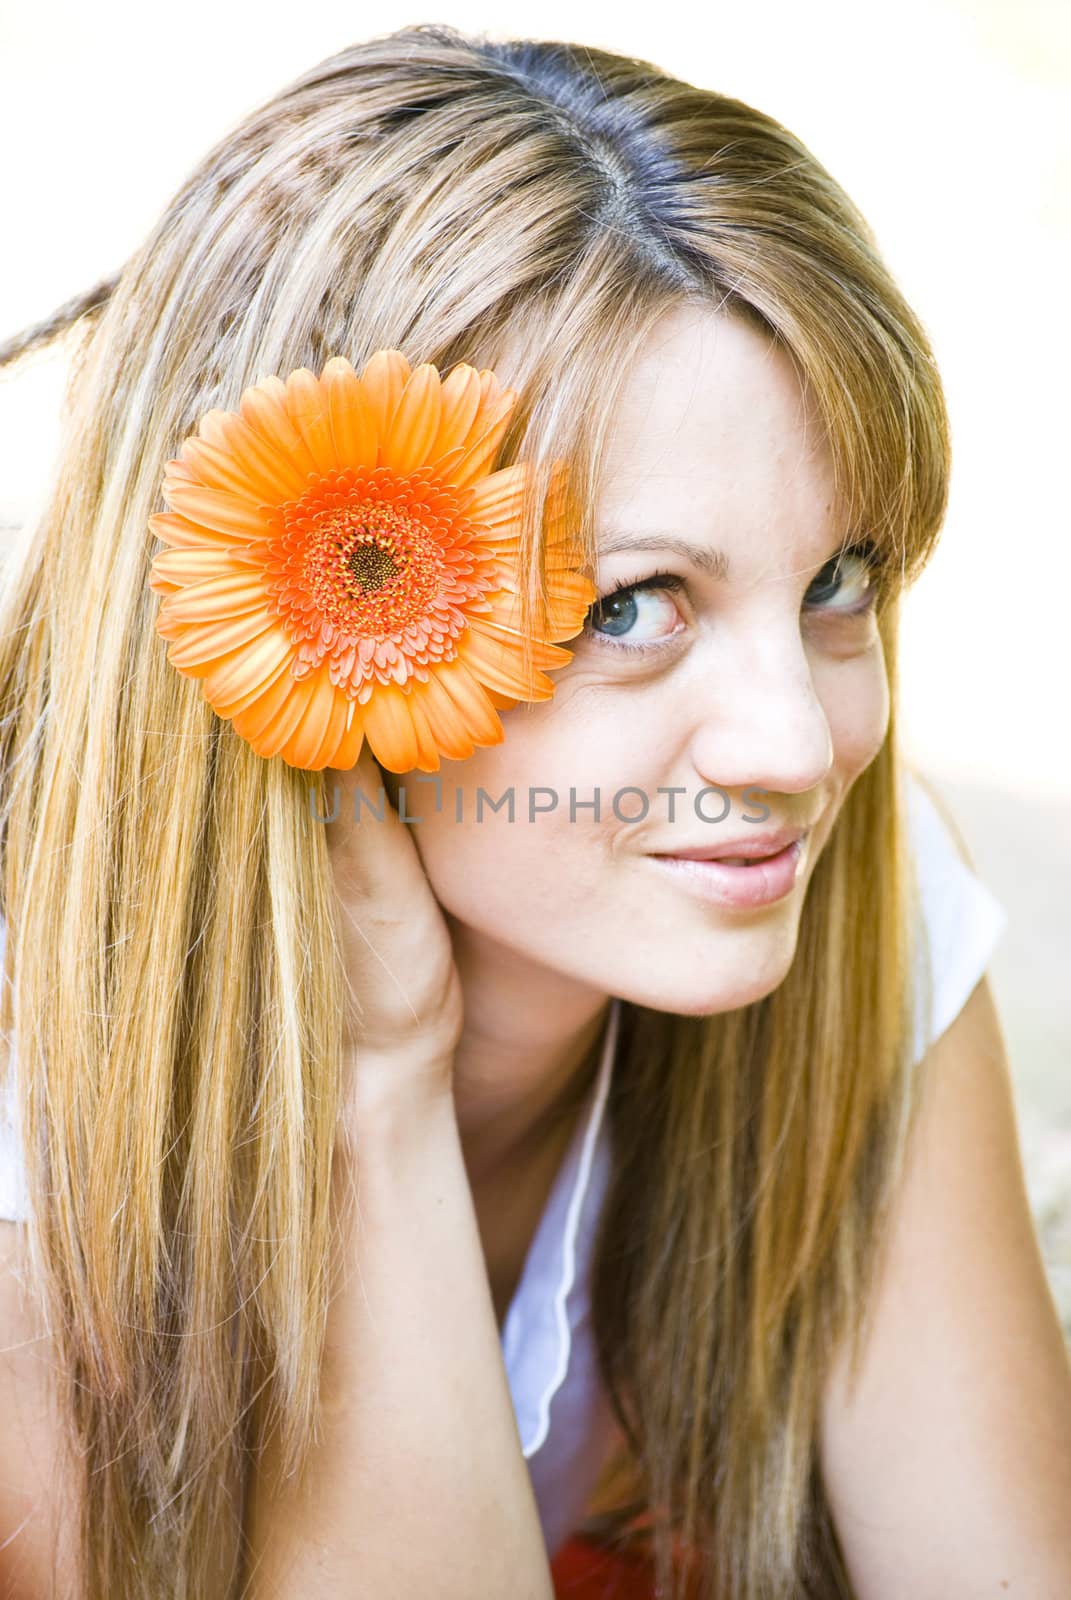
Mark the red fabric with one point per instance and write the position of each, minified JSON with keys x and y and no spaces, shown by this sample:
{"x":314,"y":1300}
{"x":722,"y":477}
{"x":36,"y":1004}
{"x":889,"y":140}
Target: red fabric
{"x":581,"y":1571}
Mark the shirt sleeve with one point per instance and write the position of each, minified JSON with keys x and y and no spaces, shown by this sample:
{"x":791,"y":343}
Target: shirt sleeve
{"x":961,"y":920}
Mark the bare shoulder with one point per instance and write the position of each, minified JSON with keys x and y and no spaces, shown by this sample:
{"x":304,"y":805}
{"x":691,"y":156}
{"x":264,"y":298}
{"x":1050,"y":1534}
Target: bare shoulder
{"x":947,"y":1455}
{"x":39,"y":1482}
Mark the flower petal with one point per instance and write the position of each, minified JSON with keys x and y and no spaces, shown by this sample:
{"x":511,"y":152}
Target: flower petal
{"x":415,"y":422}
{"x":461,"y":393}
{"x":266,"y":694}
{"x":445,"y":720}
{"x":388,"y":727}
{"x":224,"y":513}
{"x":543,"y":655}
{"x":428,"y":748}
{"x":206,"y":643}
{"x":279,"y":477}
{"x":306,"y":403}
{"x":240,"y":671}
{"x":263,"y":406}
{"x":182,"y":534}
{"x":217,"y":468}
{"x":470,"y":701}
{"x":176,"y":569}
{"x":348,"y":750}
{"x":269,"y":737}
{"x":499,"y":666}
{"x":383,"y":377}
{"x":353,"y":422}
{"x":479,"y":456}
{"x":570,"y":597}
{"x":217,"y":598}
{"x":317,"y":735}
{"x":497,"y":499}
{"x":502,"y":702}
{"x":338,"y":730}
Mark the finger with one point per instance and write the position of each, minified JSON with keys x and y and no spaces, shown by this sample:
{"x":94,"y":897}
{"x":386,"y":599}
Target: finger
{"x":367,"y":840}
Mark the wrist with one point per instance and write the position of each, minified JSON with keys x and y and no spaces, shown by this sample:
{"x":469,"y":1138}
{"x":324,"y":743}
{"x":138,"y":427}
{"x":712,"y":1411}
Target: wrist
{"x":385,"y":1089}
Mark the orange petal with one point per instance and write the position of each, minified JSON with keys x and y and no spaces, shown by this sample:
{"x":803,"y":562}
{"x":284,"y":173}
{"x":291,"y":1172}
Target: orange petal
{"x":220,"y":469}
{"x":241,"y":670}
{"x":224,"y":513}
{"x":445,"y":722}
{"x":499,"y":666}
{"x":569,"y":589}
{"x":316,"y":736}
{"x":206,"y":643}
{"x":175,"y":569}
{"x":266,"y":695}
{"x":388,"y":727}
{"x":497,"y":499}
{"x":179,"y":471}
{"x":543,"y":655}
{"x":478,"y":458}
{"x":263,"y":407}
{"x":491,"y":395}
{"x":428,"y":751}
{"x":353,"y":422}
{"x":182,"y":534}
{"x":351,"y":744}
{"x":217,"y":598}
{"x":470,"y":701}
{"x":415,"y":422}
{"x":277,"y":475}
{"x":461,"y":399}
{"x":306,"y":403}
{"x":383,"y":377}
{"x":495,"y":401}
{"x":503,"y":702}
{"x":337,"y":730}
{"x":272,"y":736}
{"x":569,"y":597}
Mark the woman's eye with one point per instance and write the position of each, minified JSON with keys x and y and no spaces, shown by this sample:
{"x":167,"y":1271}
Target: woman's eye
{"x":641,"y":615}
{"x":636,"y":616}
{"x":849,"y":580}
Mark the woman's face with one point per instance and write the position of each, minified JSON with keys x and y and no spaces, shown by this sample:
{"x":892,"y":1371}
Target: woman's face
{"x":769,"y":675}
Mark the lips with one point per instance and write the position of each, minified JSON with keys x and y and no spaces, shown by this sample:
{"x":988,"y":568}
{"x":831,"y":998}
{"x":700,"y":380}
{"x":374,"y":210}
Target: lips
{"x":761,"y":883}
{"x":746,"y":851}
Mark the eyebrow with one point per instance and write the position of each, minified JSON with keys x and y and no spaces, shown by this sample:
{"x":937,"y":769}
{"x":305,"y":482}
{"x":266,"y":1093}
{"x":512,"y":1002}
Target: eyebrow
{"x":713,"y":562}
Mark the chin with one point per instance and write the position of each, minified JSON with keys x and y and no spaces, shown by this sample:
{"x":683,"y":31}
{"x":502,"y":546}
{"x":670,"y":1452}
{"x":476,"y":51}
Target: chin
{"x":707,"y":999}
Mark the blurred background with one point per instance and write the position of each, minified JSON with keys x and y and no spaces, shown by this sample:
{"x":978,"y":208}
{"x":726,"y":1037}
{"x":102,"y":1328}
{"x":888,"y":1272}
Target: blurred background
{"x":946,"y":120}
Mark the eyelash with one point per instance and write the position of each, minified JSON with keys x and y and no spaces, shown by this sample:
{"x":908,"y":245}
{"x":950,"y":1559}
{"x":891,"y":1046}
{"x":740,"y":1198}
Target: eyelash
{"x":672,"y":581}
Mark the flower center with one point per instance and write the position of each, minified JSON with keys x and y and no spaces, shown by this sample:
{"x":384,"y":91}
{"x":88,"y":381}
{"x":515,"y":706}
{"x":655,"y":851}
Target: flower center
{"x":371,"y":565}
{"x":376,"y":574}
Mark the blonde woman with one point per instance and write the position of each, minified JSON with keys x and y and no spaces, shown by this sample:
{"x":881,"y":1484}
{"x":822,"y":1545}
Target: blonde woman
{"x":410,"y":1195}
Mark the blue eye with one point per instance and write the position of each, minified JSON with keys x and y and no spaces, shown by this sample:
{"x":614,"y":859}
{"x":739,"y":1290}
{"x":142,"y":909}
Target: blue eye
{"x":864,"y":558}
{"x":614,"y":616}
{"x":618,"y":610}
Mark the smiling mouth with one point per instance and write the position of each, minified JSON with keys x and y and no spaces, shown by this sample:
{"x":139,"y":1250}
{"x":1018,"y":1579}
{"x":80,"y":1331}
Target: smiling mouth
{"x":744,"y":883}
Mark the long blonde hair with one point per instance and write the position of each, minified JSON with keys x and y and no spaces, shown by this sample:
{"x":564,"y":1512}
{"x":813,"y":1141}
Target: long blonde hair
{"x":177,"y":988}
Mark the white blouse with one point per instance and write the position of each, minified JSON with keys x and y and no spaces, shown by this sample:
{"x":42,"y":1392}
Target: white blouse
{"x":563,"y":1415}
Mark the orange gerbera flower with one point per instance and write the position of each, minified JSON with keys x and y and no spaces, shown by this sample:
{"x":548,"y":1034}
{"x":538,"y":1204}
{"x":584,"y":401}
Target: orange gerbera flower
{"x":343,"y":565}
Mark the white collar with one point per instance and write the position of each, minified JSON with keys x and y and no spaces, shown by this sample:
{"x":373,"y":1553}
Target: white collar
{"x":552,"y":1295}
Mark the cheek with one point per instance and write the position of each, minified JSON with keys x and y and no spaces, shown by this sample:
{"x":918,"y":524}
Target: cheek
{"x":855,"y":697}
{"x":483,"y":866}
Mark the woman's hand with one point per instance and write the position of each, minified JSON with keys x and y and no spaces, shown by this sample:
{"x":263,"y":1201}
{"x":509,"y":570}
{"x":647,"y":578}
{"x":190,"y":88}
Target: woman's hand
{"x":405,"y":1008}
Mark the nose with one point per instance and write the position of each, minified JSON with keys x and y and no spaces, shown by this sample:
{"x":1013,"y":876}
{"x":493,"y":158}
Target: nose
{"x":762,"y":722}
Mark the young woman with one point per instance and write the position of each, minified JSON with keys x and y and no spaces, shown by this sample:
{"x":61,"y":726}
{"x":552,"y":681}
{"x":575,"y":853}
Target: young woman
{"x":424,"y":1176}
